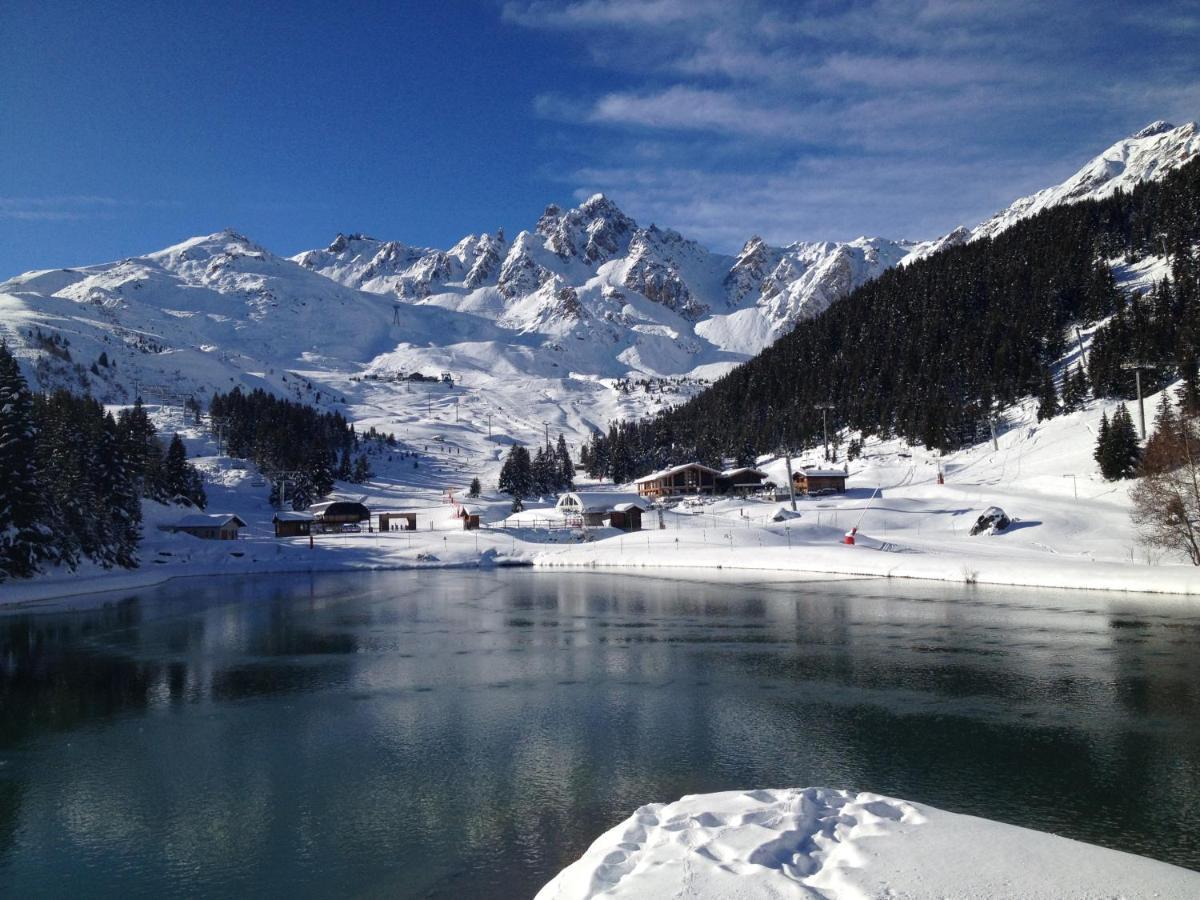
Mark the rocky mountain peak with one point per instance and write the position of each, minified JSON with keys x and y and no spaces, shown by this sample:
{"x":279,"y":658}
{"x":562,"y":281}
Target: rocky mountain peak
{"x":1159,"y":127}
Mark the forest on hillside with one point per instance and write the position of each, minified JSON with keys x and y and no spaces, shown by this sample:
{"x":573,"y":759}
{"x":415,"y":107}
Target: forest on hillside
{"x":931,"y":351}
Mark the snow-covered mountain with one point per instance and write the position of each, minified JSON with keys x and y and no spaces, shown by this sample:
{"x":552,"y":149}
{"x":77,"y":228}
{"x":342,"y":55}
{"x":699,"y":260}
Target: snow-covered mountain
{"x":1147,"y":155}
{"x":575,"y":264}
{"x":586,"y":297}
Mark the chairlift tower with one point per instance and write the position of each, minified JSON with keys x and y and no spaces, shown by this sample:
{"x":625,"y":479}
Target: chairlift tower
{"x":1137,"y":368}
{"x":824,"y":408}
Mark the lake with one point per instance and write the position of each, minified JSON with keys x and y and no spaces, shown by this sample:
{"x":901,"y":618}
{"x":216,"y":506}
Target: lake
{"x":468,"y":733}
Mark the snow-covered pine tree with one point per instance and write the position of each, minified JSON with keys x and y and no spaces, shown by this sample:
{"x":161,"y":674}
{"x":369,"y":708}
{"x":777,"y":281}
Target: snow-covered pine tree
{"x":119,"y":511}
{"x":180,"y":478}
{"x":24,"y":536}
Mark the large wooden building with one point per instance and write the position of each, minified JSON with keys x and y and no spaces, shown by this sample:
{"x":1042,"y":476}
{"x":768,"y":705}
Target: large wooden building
{"x":678,"y":481}
{"x":742,"y":480}
{"x":820,"y":481}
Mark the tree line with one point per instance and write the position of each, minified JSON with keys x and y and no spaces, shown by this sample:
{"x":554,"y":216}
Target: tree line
{"x":548,"y":471}
{"x":931,"y":351}
{"x":73,"y":475}
{"x":302,"y":450}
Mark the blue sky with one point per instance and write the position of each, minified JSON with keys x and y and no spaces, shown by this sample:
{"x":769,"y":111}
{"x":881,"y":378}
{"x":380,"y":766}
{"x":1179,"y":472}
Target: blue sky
{"x":127,"y":127}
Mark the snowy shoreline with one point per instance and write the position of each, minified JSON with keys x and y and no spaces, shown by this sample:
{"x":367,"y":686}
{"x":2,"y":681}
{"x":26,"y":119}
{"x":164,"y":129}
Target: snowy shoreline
{"x":865,"y":560}
{"x":834,"y":844}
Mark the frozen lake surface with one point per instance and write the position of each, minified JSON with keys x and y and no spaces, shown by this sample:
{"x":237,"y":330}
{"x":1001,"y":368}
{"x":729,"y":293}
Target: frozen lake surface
{"x":469,"y":733}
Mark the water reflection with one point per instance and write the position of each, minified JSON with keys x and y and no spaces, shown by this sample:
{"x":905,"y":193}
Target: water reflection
{"x":468,"y":733}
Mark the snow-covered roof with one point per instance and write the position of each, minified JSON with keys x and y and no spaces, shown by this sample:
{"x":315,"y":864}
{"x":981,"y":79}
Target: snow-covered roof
{"x":626,"y":507}
{"x":663,"y":473}
{"x":323,"y":507}
{"x":209,"y":520}
{"x":289,"y":516}
{"x":824,"y":473}
{"x":340,"y":497}
{"x":744,"y":470}
{"x":599,"y":502}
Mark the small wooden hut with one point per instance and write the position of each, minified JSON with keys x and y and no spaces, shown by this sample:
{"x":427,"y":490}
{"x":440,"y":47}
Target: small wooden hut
{"x":208,"y":526}
{"x":626,"y":516}
{"x":292,"y":524}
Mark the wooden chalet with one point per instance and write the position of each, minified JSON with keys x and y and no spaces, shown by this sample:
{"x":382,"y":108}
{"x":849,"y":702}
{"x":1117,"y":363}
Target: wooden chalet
{"x":292,"y":524}
{"x":820,"y":481}
{"x":742,"y":480}
{"x":688,"y":478}
{"x":208,"y":526}
{"x":331,"y":515}
{"x":623,"y":511}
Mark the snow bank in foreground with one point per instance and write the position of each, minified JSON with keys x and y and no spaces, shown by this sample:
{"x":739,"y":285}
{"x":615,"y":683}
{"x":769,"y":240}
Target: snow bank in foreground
{"x":824,"y":843}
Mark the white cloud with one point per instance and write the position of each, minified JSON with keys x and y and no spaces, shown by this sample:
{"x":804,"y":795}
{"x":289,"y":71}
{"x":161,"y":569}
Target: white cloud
{"x":906,"y":116}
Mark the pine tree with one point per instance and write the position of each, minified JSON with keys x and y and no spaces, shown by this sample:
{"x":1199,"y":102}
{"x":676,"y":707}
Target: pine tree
{"x":475,"y":489}
{"x":516,"y":477}
{"x":1117,"y":450}
{"x":175,"y":474}
{"x":345,"y":471}
{"x":1103,"y":437}
{"x":24,"y":537}
{"x":1075,"y":387}
{"x":362,"y":470}
{"x":566,"y":468}
{"x":1047,"y":398}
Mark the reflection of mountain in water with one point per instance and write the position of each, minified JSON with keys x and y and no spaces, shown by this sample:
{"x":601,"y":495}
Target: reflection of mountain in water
{"x":426,"y":734}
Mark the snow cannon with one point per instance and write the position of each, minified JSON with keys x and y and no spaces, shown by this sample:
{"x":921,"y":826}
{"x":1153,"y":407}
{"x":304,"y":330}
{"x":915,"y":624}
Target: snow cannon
{"x":849,"y":538}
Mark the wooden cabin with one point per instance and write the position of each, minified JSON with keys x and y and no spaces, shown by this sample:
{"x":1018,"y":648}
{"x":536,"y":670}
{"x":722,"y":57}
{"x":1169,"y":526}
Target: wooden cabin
{"x":292,"y":524}
{"x":592,"y":509}
{"x":208,"y":526}
{"x":820,"y":481}
{"x":397,"y":521}
{"x":331,"y":515}
{"x":626,"y":516}
{"x":470,"y":518}
{"x":688,"y":478}
{"x":741,"y":481}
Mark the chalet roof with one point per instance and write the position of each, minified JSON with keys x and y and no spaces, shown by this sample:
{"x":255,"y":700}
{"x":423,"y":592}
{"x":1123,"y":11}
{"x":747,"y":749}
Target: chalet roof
{"x":342,"y":506}
{"x":825,"y":473}
{"x":209,"y":520}
{"x":663,"y":473}
{"x":626,"y":507}
{"x":601,"y":502}
{"x":744,"y":470}
{"x":289,"y":516}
